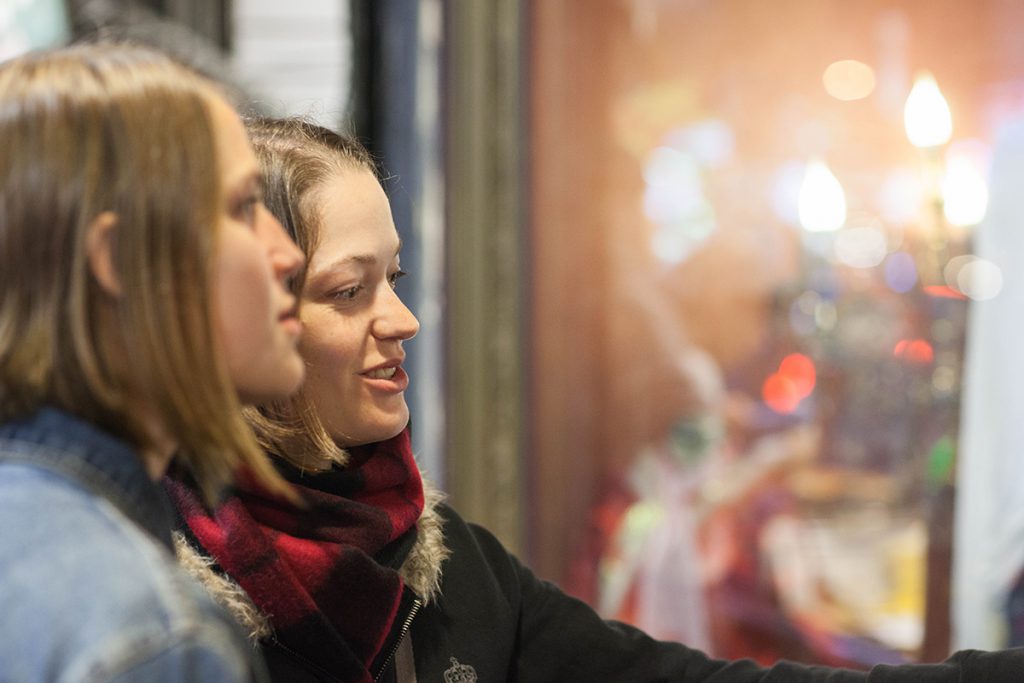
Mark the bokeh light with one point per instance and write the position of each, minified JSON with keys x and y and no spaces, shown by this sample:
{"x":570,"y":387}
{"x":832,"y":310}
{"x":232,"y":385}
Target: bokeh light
{"x":900,"y":272}
{"x":801,"y":313}
{"x":943,"y":292}
{"x":980,"y":279}
{"x":673,"y":242}
{"x":675,"y":202}
{"x":944,"y":379}
{"x":951,"y":271}
{"x":861,"y":247}
{"x":849,"y":79}
{"x":964,"y":191}
{"x":780,"y":393}
{"x":822,"y":201}
{"x":926,"y":115}
{"x":668,"y":204}
{"x":915,"y":351}
{"x":668,"y":167}
{"x":794,"y":381}
{"x":800,"y":370}
{"x":789,"y":177}
{"x":711,"y":142}
{"x":826,"y":316}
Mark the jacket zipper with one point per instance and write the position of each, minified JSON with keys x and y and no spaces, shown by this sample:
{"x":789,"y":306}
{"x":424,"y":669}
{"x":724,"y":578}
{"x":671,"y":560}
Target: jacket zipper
{"x":413,"y":611}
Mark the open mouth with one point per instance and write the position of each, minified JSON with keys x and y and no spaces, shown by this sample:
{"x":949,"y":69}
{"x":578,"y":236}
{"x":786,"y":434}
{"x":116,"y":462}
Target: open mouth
{"x":382,"y":373}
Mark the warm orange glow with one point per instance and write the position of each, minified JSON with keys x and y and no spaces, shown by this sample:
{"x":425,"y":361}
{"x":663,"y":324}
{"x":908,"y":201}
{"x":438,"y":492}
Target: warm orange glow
{"x":849,"y":80}
{"x":916,"y":351}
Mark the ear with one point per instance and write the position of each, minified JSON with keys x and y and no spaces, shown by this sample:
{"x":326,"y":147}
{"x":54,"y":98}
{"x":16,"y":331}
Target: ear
{"x":100,"y":247}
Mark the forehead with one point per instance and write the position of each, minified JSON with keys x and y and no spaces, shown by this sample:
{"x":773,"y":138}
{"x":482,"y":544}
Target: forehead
{"x":355,"y":217}
{"x":234,"y":152}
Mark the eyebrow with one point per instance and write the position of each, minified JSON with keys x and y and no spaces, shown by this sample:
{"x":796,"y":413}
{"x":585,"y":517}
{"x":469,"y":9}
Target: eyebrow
{"x":361,"y":259}
{"x":247,"y":182}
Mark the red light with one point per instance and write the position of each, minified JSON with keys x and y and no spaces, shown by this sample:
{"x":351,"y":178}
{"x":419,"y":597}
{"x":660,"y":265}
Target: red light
{"x":780,"y":393}
{"x":795,"y":380}
{"x":799,"y":369}
{"x":916,"y":351}
{"x":943,"y":292}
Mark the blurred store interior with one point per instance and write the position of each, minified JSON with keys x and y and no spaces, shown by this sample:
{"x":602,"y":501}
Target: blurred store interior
{"x":720,"y":299}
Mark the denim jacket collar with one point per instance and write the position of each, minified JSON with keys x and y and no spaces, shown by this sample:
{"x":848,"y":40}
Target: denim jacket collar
{"x":104,"y":464}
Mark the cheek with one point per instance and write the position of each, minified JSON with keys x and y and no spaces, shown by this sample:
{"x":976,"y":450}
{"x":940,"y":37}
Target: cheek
{"x":243,"y":295}
{"x":333,"y":347}
{"x":327,"y":347}
{"x":329,"y":385}
{"x":243,"y":327}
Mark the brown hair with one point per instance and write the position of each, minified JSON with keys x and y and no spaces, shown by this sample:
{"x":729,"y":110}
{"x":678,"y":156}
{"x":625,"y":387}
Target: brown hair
{"x":114,"y":128}
{"x":296,"y":157}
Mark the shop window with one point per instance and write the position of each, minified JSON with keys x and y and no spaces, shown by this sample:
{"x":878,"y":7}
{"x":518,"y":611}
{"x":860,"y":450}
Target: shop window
{"x":762,"y":237}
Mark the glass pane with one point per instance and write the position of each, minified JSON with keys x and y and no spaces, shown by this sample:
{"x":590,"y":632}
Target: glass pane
{"x":755,"y":246}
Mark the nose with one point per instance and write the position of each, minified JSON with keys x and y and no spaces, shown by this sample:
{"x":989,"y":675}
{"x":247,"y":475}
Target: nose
{"x":285,"y":256}
{"x":395,"y":320}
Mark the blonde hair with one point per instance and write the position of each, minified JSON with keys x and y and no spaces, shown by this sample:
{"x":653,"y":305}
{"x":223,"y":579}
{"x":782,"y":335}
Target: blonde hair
{"x":114,"y":128}
{"x":296,"y":157}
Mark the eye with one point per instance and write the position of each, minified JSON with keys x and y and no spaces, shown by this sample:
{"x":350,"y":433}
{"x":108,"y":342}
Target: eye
{"x":395,"y":277}
{"x":246,"y":209}
{"x":347,"y":294}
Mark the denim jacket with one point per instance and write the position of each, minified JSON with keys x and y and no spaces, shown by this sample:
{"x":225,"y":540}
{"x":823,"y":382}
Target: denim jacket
{"x":89,"y":589}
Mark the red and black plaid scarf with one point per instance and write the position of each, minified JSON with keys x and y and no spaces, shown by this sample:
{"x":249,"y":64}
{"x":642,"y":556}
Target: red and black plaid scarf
{"x":325,"y":575}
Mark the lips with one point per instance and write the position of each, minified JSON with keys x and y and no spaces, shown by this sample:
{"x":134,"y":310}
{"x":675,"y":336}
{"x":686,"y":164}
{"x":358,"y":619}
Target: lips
{"x":290,"y":312}
{"x":289,"y":320}
{"x":388,"y":377}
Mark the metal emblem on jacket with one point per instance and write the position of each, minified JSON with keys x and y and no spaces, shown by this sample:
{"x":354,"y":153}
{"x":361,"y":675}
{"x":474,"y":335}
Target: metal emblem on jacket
{"x":459,"y":673}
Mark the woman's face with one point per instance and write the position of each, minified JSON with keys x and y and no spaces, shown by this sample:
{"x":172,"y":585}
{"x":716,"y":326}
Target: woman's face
{"x":256,"y":320}
{"x":354,"y":321}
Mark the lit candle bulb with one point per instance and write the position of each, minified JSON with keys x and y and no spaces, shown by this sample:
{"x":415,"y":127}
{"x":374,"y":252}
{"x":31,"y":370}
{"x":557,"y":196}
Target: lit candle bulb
{"x":965,"y":195}
{"x":822,"y":202}
{"x":926,"y":115}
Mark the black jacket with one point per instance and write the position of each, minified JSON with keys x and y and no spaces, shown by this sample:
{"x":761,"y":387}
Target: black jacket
{"x":496,"y":621}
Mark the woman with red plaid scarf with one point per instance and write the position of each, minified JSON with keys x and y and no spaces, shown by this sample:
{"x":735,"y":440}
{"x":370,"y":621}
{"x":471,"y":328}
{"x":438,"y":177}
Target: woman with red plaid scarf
{"x":374,"y":578}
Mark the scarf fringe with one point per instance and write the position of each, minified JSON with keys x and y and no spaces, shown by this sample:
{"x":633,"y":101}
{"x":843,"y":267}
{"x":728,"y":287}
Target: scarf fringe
{"x":421,"y":571}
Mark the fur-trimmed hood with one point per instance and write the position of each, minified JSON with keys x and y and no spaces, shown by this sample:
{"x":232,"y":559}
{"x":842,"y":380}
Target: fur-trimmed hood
{"x":421,"y":570}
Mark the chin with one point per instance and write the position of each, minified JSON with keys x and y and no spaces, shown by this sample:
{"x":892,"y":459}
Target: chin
{"x":373,"y":433}
{"x":386,"y":432}
{"x":282,"y":388}
{"x":271,"y":381}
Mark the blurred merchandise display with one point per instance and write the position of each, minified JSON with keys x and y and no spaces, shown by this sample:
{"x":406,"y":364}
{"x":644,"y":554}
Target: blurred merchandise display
{"x":806,"y":198}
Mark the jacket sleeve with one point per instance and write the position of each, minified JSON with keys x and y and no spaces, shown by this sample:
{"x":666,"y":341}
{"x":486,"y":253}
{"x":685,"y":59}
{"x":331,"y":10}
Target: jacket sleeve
{"x":563,"y":639}
{"x":560,"y":638}
{"x":997,"y":666}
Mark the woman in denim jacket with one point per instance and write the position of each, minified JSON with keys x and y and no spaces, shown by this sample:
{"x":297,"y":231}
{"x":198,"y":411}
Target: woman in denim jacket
{"x":142,"y":300}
